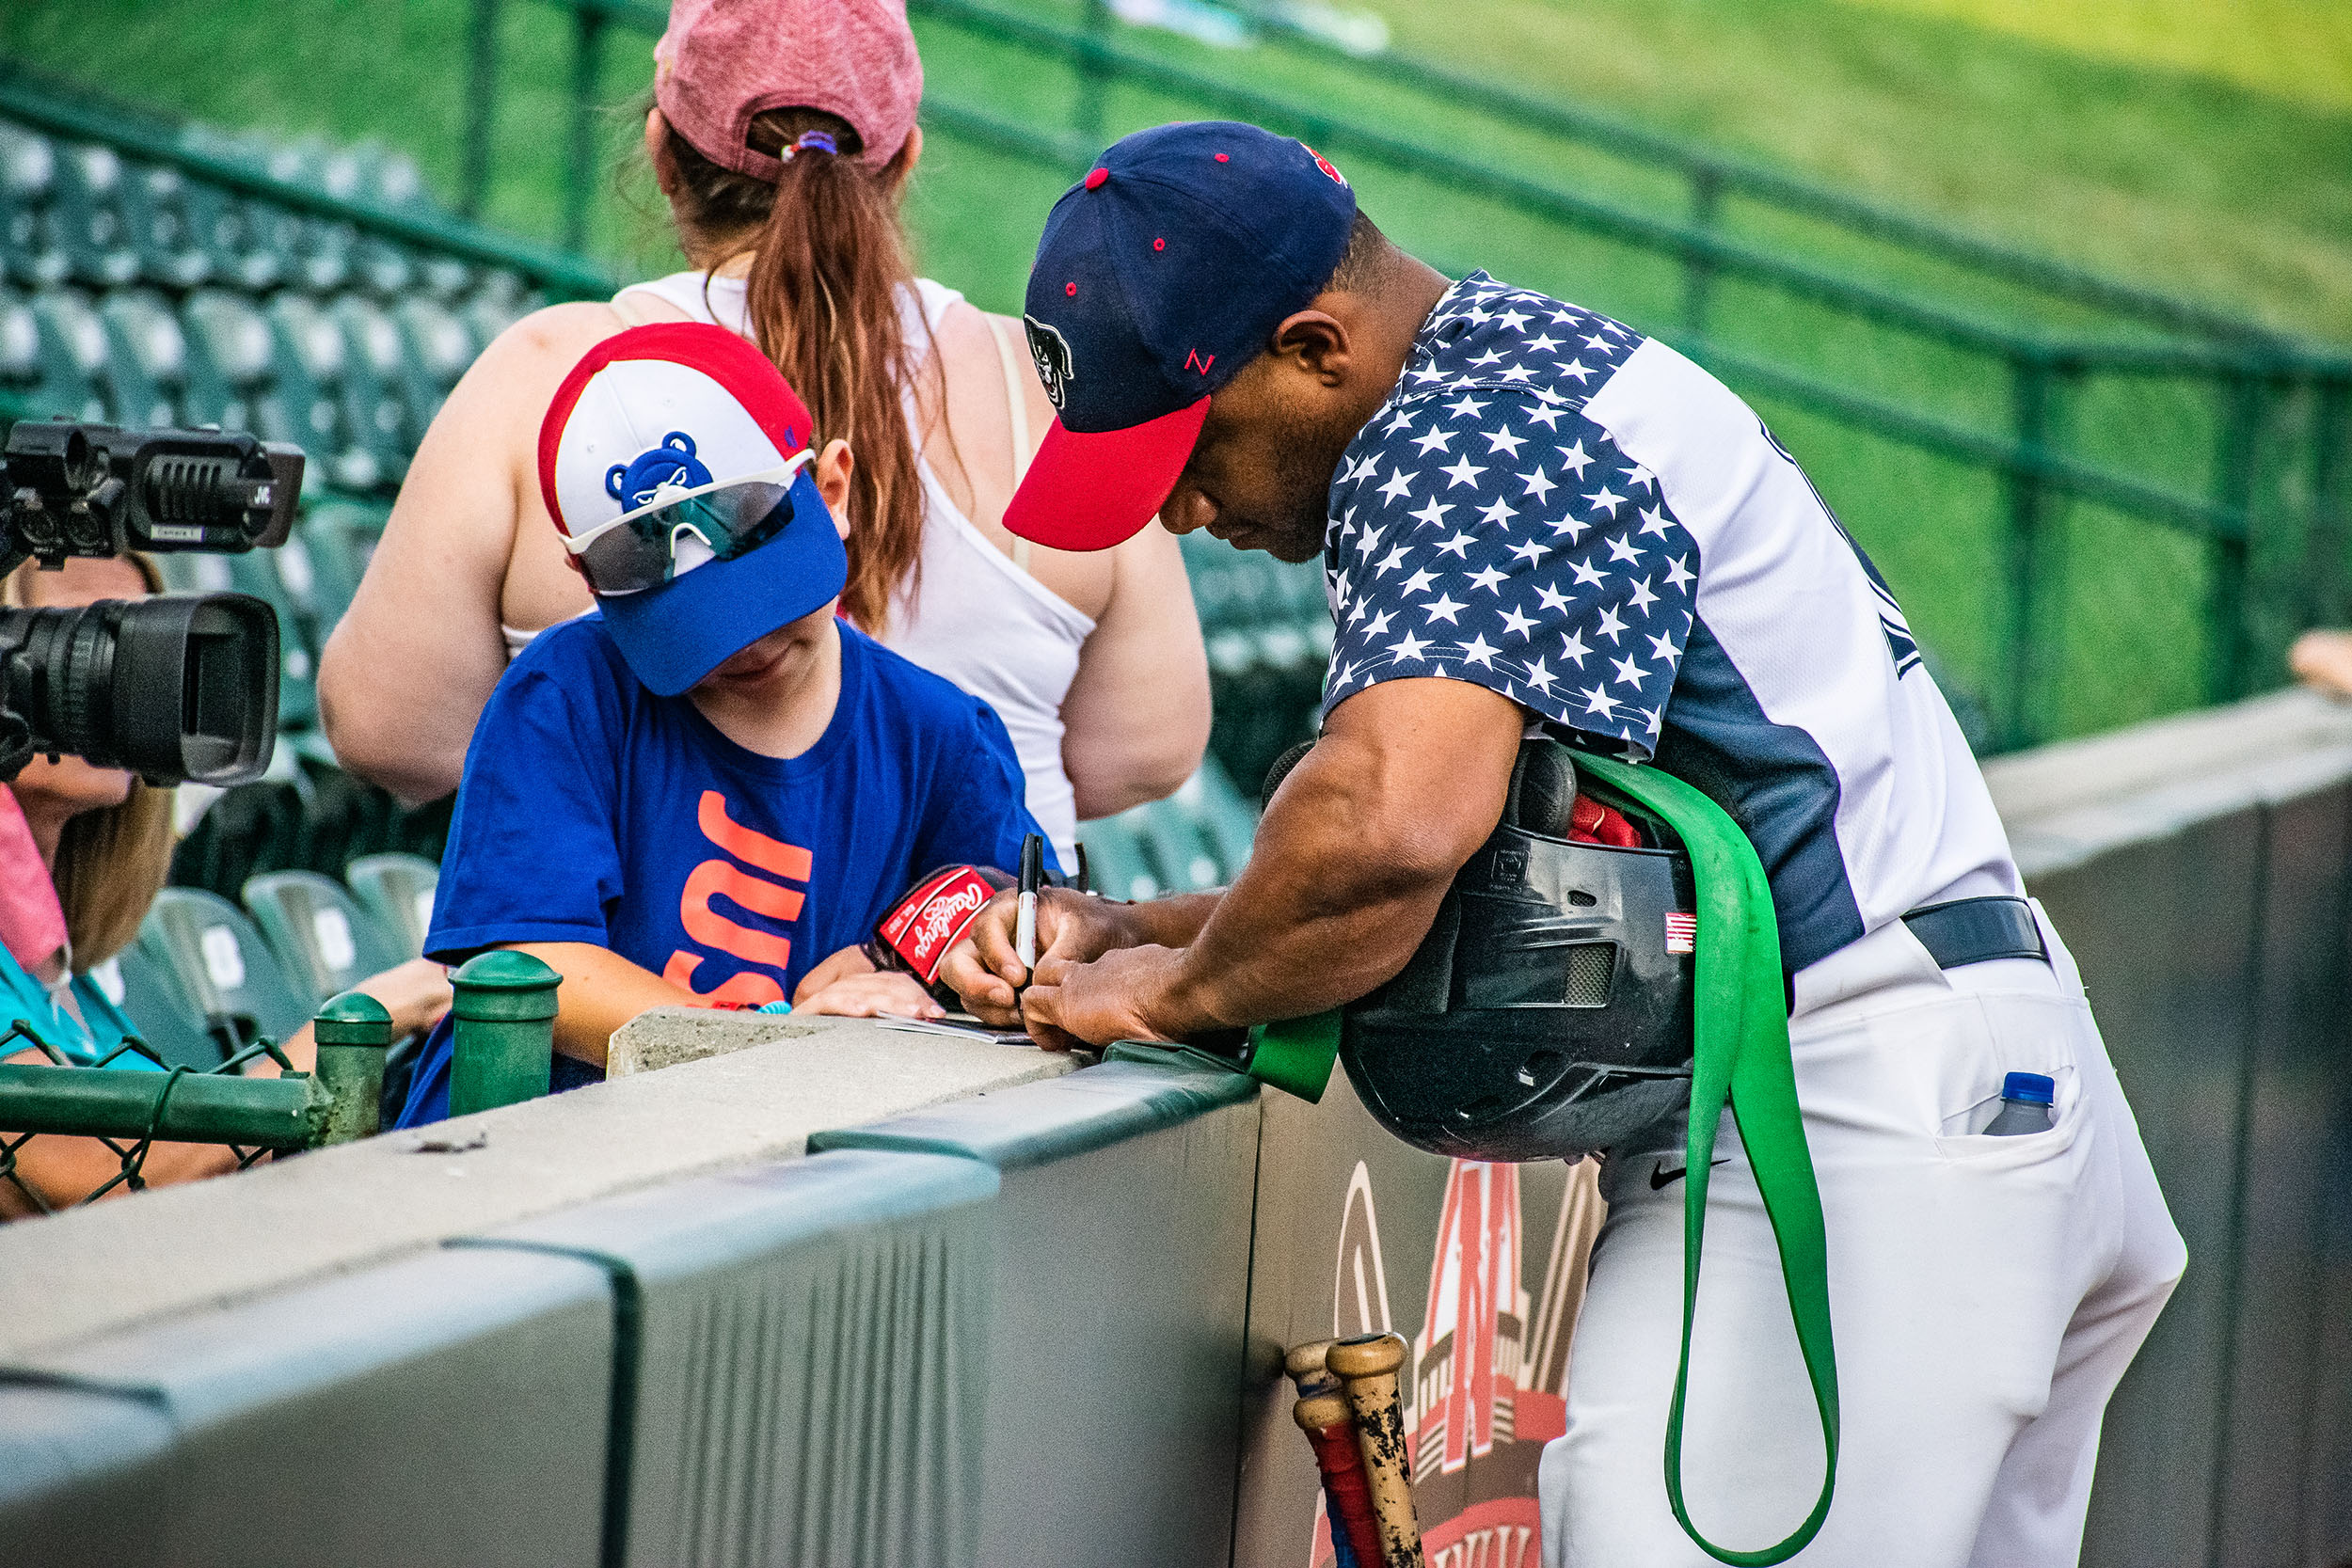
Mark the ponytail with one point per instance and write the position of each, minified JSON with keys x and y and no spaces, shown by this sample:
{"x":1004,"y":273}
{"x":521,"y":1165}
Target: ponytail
{"x":828,"y":262}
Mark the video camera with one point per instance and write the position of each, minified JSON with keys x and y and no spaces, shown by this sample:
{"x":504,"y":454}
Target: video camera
{"x":178,"y":688}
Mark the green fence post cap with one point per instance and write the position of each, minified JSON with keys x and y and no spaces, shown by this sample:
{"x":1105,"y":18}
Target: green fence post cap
{"x":501,"y":986}
{"x":353,"y":1019}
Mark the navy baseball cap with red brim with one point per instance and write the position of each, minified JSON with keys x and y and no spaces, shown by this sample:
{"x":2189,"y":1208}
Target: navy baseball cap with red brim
{"x":1161,"y":275}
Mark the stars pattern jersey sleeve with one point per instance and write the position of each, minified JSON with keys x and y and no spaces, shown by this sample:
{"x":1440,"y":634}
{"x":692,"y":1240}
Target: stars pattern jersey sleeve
{"x":1484,"y":530}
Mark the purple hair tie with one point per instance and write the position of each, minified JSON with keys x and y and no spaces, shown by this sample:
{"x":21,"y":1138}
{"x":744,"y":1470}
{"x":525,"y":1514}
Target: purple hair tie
{"x":812,"y":141}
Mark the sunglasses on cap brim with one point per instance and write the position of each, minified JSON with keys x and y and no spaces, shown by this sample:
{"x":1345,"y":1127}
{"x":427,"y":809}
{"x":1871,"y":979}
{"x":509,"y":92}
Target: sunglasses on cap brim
{"x":638,"y":549}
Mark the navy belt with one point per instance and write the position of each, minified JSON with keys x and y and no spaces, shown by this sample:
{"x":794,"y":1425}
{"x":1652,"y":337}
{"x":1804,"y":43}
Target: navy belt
{"x":1976,"y":930}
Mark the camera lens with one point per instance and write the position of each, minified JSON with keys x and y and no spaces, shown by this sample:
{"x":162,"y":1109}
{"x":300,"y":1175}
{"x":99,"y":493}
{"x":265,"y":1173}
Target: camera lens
{"x":173,"y":689}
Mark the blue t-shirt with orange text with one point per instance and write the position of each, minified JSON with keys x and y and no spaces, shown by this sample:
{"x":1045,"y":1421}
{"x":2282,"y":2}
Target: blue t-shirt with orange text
{"x":593,"y":810}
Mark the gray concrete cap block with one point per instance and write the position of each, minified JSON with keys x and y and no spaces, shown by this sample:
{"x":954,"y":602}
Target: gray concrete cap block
{"x":668,"y":1036}
{"x":90,"y":1271}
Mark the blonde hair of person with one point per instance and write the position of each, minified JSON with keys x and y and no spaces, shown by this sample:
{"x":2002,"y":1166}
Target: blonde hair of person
{"x":111,"y":863}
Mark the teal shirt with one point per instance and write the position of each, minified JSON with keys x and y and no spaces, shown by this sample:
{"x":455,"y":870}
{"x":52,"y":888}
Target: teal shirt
{"x":100,"y":1030}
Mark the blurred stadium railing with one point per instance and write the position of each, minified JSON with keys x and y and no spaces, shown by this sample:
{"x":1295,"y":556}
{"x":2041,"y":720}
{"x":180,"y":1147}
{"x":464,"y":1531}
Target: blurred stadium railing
{"x":2109,"y":503}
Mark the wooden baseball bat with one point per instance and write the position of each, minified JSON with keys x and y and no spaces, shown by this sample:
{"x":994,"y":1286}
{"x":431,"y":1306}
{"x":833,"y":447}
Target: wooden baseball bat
{"x":1307,"y":1368}
{"x":1367,"y":1366}
{"x":1330,"y":1429}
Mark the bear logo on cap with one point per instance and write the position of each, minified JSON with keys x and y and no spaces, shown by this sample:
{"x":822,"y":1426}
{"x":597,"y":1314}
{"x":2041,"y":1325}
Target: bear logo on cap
{"x":671,"y":466}
{"x":1051,"y":351}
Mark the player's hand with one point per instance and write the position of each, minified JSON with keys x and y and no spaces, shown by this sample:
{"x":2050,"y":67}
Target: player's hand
{"x":1109,"y":998}
{"x":1071,"y":928}
{"x":876,"y":993}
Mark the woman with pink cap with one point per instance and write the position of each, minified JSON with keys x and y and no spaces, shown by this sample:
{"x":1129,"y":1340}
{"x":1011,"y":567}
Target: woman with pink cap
{"x":783,"y":132}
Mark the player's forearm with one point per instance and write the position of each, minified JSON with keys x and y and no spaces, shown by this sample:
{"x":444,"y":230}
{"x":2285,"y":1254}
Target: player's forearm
{"x":1352,"y":857}
{"x":1333,"y":903}
{"x":1176,"y":921}
{"x":602,"y":990}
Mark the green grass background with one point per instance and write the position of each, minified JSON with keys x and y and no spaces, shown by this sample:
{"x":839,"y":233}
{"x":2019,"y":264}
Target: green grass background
{"x":2129,"y":136}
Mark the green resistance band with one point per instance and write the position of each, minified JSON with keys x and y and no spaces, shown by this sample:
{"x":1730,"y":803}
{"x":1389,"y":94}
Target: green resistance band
{"x":1741,"y":1053}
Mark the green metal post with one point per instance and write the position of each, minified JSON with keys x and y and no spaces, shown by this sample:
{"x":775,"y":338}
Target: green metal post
{"x":2228,"y":554}
{"x":504,"y":1016}
{"x":2325,"y":596}
{"x":353,"y":1032}
{"x":195,"y":1107}
{"x":579,"y":180}
{"x":2019,"y":721}
{"x":1698,"y":269}
{"x":481,"y":104}
{"x":1094,"y":75}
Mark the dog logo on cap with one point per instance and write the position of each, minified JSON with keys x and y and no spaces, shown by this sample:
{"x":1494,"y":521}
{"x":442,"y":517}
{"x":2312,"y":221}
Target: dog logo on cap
{"x":1051,"y":351}
{"x":671,"y":466}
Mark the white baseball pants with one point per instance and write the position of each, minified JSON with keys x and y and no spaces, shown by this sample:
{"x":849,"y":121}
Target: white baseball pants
{"x":1986,"y":1293}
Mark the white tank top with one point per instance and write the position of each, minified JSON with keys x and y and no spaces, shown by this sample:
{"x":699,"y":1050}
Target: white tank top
{"x":974,"y":616}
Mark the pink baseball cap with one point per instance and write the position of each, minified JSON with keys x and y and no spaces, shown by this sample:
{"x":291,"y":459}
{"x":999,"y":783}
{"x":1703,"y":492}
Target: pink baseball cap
{"x":724,"y":61}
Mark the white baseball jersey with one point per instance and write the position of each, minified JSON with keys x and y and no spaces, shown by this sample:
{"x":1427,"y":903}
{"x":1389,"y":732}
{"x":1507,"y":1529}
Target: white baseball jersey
{"x":1554,"y":507}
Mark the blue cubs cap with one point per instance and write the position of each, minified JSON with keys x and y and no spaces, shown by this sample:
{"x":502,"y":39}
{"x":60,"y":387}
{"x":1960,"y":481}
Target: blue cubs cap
{"x":681,"y":409}
{"x":1161,"y":275}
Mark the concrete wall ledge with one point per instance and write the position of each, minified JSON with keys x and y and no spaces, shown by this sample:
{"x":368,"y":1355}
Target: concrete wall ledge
{"x":91,"y":1270}
{"x":2068,"y":803}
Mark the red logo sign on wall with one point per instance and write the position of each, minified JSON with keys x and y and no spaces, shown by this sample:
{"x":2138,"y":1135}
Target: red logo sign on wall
{"x":1489,"y":1366}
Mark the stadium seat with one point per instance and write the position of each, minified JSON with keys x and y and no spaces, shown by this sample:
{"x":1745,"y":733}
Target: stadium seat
{"x":373,"y":386}
{"x":336,"y":538}
{"x":234,"y":233}
{"x":1118,"y":866}
{"x":445,"y":278}
{"x":323,"y":259}
{"x":302,"y":406}
{"x":165,"y":1019}
{"x":223,"y":965}
{"x":84,"y":195}
{"x":148,"y":362}
{"x":439,"y":347}
{"x":253,"y":826}
{"x":1226,"y":821}
{"x":341,"y":816}
{"x":497,"y":303}
{"x":33,"y":254}
{"x":229,"y":357}
{"x":72,"y":356}
{"x":20,"y":347}
{"x":320,"y":932}
{"x":398,"y":888}
{"x":156,"y":215}
{"x":1178,"y":851}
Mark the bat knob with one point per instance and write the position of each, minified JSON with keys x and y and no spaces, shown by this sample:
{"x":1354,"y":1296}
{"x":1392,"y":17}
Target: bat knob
{"x":1365,"y":1356}
{"x":1304,"y":1363}
{"x":1320,"y":1411}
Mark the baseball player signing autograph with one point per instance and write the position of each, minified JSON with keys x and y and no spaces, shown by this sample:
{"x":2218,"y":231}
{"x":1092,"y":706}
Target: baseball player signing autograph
{"x":1532,"y":520}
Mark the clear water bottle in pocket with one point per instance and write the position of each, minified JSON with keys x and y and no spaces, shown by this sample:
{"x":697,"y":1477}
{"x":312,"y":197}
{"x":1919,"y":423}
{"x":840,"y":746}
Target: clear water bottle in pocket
{"x":2026,"y":1106}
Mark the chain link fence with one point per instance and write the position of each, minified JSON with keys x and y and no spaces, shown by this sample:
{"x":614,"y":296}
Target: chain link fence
{"x":129,"y":1110}
{"x":502,"y":1040}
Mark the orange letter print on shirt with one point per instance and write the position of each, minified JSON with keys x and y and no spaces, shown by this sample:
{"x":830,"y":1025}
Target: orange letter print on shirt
{"x":721,"y":877}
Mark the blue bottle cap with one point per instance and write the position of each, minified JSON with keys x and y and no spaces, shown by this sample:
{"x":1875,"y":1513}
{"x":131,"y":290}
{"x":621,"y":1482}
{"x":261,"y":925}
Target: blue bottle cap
{"x":2030,"y":1087}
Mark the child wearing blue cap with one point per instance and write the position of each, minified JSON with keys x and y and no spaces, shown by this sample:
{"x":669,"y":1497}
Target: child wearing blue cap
{"x":711,"y":789}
